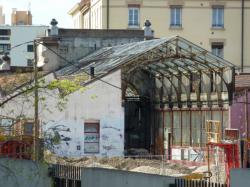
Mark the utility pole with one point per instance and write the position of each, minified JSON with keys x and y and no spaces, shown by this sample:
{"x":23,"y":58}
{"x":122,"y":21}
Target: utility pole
{"x":36,"y":100}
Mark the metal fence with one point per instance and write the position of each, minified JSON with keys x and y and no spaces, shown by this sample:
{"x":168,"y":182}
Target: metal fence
{"x":196,"y":183}
{"x":70,"y":176}
{"x":66,"y":176}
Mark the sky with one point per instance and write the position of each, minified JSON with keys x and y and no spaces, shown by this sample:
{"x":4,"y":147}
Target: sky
{"x":42,"y":10}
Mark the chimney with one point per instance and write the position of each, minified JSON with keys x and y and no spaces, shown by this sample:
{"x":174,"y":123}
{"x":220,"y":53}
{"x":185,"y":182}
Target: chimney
{"x":148,"y":32}
{"x":54,"y":28}
{"x":92,"y":72}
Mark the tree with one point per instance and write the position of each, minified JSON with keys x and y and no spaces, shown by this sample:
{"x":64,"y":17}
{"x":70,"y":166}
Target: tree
{"x":18,"y":92}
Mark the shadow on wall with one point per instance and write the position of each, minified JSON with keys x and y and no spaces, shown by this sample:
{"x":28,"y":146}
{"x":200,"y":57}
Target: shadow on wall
{"x":23,"y":173}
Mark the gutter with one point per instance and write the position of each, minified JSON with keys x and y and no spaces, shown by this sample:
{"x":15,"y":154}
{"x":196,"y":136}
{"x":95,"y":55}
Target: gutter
{"x":108,"y":8}
{"x":242,"y":34}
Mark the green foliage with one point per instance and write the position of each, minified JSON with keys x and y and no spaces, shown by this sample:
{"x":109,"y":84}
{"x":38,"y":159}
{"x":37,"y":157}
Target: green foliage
{"x":65,"y":87}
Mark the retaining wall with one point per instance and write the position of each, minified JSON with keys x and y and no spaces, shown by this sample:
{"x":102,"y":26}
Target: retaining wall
{"x":97,"y":177}
{"x":23,"y":173}
{"x":240,"y":177}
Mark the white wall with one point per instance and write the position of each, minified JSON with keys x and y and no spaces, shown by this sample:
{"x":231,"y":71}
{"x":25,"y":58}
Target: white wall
{"x":99,"y":101}
{"x":21,"y":34}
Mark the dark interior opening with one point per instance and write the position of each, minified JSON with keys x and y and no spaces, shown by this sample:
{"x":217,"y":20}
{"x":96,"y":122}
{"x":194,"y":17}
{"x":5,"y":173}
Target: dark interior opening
{"x":137,"y":126}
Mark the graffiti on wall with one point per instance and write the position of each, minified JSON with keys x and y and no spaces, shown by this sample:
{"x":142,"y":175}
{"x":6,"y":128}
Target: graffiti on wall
{"x":112,"y":138}
{"x":71,"y":138}
{"x":53,"y":136}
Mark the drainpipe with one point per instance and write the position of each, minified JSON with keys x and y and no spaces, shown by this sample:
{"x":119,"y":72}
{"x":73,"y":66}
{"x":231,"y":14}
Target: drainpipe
{"x":242,"y":34}
{"x":108,"y":14}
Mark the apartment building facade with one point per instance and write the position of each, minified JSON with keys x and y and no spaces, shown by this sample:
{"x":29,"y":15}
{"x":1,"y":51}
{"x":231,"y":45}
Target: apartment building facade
{"x":21,"y":17}
{"x":2,"y":16}
{"x":218,"y":26}
{"x":11,"y":36}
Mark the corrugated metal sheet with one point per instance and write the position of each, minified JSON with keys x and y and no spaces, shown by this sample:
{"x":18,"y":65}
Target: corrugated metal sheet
{"x":242,"y":81}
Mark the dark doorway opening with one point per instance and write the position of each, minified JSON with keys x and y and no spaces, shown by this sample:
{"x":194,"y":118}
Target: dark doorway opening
{"x":137,"y":125}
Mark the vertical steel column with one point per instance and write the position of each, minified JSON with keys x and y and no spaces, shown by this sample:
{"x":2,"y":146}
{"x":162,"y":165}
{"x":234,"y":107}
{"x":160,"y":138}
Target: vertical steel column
{"x":190,"y":126}
{"x":242,"y":33}
{"x":181,"y":128}
{"x":172,"y":126}
{"x":200,"y":114}
{"x":222,"y":122}
{"x":163,"y":129}
{"x":108,"y":9}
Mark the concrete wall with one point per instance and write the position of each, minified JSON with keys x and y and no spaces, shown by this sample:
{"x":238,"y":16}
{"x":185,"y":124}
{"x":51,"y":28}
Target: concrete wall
{"x":98,"y":101}
{"x":96,"y":177}
{"x":23,"y":173}
{"x":239,"y":177}
{"x":74,"y":44}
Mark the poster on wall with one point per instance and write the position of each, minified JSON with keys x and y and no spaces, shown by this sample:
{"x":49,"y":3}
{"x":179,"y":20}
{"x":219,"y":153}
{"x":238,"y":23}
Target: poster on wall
{"x":91,"y":137}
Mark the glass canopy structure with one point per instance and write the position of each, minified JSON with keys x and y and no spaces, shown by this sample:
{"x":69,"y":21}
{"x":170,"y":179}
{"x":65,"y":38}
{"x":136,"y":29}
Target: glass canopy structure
{"x":185,"y":74}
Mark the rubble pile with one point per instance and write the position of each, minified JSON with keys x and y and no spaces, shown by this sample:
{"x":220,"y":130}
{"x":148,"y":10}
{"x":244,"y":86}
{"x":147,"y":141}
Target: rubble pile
{"x":151,"y":166}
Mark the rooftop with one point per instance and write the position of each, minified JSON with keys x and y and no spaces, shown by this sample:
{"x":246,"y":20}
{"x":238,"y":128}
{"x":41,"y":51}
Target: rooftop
{"x":160,"y":56}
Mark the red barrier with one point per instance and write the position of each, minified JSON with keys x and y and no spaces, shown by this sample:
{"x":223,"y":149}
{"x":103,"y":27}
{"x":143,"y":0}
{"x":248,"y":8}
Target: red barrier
{"x":15,"y":149}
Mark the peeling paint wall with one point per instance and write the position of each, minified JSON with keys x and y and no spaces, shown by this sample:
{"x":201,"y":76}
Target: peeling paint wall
{"x":75,"y":44}
{"x":98,"y":101}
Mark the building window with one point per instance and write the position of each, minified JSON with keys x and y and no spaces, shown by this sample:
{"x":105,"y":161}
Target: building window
{"x":5,"y":38}
{"x":5,"y":126}
{"x":133,"y":16}
{"x":217,"y":49}
{"x":91,"y":136}
{"x":30,"y":48}
{"x":218,"y":17}
{"x":5,"y":32}
{"x":175,"y":16}
{"x":4,"y":48}
{"x":29,"y":62}
{"x":28,"y":129}
{"x":195,"y":83}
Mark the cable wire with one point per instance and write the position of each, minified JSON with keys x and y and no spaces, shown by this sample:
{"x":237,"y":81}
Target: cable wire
{"x":66,"y":60}
{"x":75,"y":65}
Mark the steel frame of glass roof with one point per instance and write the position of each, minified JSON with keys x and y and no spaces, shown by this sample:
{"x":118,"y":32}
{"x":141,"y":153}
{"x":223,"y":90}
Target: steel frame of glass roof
{"x":168,"y":58}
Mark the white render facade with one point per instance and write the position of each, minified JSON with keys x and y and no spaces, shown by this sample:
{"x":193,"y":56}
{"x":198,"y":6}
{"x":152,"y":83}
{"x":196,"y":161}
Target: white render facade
{"x":98,"y":104}
{"x":10,"y":36}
